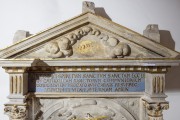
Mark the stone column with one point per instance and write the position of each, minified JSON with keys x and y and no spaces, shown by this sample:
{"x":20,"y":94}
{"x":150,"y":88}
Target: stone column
{"x":154,"y":98}
{"x":16,"y":108}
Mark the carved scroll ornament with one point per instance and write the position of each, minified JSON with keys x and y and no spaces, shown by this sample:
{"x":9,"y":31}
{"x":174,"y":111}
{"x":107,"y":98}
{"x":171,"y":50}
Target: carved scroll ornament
{"x":63,"y":47}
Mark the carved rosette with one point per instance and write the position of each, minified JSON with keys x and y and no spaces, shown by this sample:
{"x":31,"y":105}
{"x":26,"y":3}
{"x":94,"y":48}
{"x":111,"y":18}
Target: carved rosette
{"x":154,"y":110}
{"x":62,"y":47}
{"x":16,"y":112}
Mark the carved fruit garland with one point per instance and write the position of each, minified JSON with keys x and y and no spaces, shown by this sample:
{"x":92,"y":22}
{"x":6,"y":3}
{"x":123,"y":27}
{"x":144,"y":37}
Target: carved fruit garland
{"x":63,"y":46}
{"x":118,"y":49}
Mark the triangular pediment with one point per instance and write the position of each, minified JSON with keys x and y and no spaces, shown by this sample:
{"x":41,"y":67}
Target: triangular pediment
{"x":87,"y":36}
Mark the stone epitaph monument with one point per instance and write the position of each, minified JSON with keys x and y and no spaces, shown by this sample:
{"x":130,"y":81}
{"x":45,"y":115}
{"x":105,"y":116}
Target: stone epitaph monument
{"x":87,"y":68}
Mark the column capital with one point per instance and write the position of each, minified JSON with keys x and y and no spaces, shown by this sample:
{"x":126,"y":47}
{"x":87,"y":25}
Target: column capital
{"x":155,"y":109}
{"x":16,"y":112}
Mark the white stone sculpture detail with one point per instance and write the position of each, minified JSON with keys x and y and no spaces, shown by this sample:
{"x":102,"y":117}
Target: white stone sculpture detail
{"x":152,"y":32}
{"x":120,"y":50}
{"x":62,"y":47}
{"x":77,"y":109}
{"x":16,"y":112}
{"x":154,"y":110}
{"x":67,"y":113}
{"x":88,"y":7}
{"x":131,"y":104}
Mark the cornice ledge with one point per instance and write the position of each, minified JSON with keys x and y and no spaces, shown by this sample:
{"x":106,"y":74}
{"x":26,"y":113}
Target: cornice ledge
{"x":88,"y":62}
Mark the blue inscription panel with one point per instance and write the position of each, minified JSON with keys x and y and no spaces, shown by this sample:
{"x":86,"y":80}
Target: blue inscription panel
{"x":87,"y":82}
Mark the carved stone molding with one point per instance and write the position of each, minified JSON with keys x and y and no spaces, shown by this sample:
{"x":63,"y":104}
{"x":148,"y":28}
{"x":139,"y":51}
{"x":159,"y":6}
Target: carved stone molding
{"x":16,"y":112}
{"x":62,"y":47}
{"x":154,"y":110}
{"x":100,"y":68}
{"x":15,"y":69}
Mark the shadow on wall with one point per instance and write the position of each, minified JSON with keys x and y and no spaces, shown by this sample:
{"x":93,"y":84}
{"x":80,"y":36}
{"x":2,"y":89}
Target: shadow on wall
{"x":101,"y":12}
{"x":173,"y":75}
{"x":166,"y":39}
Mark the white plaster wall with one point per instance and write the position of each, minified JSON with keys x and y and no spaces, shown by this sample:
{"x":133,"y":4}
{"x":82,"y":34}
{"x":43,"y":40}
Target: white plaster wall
{"x":36,"y":15}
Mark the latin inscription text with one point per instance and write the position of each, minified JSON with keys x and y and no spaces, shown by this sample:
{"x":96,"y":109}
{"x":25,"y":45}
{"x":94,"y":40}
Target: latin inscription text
{"x":87,"y":82}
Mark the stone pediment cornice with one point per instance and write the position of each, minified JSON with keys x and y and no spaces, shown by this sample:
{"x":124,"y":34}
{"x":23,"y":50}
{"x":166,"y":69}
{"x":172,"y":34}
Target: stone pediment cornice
{"x":82,"y":20}
{"x":63,"y":62}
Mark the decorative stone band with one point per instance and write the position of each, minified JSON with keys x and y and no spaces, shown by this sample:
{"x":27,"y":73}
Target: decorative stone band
{"x":15,"y":69}
{"x":154,"y":110}
{"x":101,"y":68}
{"x":16,"y":112}
{"x":11,"y":63}
{"x":157,"y":118}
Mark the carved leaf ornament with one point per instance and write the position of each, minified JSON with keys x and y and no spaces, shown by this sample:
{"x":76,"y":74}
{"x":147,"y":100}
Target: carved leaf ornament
{"x":15,"y":112}
{"x":63,"y":47}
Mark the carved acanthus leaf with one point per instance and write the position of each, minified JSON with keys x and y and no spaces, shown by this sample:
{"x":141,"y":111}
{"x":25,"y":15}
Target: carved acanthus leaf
{"x":16,"y":112}
{"x":155,"y":109}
